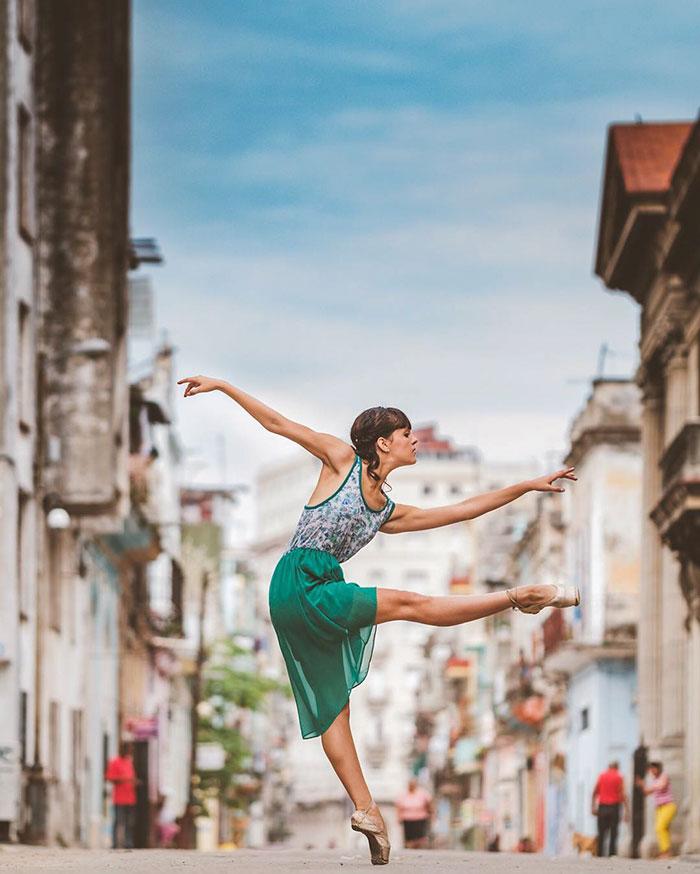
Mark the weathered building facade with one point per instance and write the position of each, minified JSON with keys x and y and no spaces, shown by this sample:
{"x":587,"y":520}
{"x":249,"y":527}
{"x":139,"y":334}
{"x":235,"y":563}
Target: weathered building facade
{"x":595,"y":647}
{"x":63,"y":409}
{"x":649,"y":247}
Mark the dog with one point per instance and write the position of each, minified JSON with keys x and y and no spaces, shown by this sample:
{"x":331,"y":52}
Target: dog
{"x":583,"y":844}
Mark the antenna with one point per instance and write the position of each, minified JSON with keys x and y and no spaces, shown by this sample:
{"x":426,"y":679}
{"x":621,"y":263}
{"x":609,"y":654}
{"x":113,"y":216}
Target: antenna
{"x":603,"y":353}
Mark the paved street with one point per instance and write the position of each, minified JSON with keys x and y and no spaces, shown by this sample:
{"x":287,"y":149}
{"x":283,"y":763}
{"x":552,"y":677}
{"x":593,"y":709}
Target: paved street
{"x":21,"y":859}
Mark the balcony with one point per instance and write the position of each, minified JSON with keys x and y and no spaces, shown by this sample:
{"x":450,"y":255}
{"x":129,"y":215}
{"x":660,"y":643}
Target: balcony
{"x":677,"y":514}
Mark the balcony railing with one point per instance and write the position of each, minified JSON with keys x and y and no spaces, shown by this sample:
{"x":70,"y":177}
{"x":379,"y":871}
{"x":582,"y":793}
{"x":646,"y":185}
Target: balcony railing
{"x":681,"y":460}
{"x":677,"y":514}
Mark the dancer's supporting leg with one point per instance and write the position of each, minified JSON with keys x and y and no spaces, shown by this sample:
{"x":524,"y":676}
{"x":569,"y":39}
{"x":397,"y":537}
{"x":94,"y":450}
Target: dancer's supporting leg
{"x":442,"y":610}
{"x":339,"y":746}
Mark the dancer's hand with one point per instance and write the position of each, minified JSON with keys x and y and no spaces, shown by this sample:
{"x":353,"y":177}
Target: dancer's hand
{"x":546,"y":483}
{"x":199,"y":384}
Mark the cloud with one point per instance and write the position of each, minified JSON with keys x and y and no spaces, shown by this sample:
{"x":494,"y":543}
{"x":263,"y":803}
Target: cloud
{"x":360,"y":218}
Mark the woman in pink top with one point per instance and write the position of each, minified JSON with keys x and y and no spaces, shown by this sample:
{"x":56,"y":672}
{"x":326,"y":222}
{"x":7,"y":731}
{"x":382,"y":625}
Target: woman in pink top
{"x":415,"y":810}
{"x":660,"y":788}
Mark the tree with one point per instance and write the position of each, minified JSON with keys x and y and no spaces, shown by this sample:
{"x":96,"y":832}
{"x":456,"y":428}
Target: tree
{"x":228,"y":689}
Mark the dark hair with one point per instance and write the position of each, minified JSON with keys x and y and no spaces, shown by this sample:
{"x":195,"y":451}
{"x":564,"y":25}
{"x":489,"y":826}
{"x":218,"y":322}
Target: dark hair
{"x":369,"y":426}
{"x":659,"y":767}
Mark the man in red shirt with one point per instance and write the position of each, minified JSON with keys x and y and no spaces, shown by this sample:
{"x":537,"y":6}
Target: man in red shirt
{"x":608,"y":795}
{"x":121,"y":774}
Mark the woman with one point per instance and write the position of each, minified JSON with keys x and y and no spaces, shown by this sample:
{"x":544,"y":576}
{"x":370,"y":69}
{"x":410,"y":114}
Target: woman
{"x":414,"y":810}
{"x":326,"y":626}
{"x":660,"y":788}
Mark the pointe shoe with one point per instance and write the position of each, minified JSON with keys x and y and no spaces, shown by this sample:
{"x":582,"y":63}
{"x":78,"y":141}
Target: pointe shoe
{"x":374,"y":829}
{"x":564,"y":596}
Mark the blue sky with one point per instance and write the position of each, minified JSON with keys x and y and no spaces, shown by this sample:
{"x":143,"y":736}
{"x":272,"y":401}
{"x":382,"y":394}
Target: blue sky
{"x":391,"y":202}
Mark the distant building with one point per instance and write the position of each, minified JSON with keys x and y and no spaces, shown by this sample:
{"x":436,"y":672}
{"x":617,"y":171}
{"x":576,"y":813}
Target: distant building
{"x":594,"y":646}
{"x":648,"y":245}
{"x":528,"y":735}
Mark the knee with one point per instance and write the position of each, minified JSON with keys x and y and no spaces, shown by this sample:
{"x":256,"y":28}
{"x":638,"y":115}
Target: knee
{"x":413,"y":603}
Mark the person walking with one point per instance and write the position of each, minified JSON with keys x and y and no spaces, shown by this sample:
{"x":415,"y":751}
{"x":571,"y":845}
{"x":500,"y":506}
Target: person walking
{"x":414,"y":810}
{"x":325,"y":625}
{"x":121,"y":774}
{"x":660,"y":788}
{"x":608,"y":797}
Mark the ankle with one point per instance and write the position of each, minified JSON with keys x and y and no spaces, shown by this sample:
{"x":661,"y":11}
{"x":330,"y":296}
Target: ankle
{"x":364,"y":806}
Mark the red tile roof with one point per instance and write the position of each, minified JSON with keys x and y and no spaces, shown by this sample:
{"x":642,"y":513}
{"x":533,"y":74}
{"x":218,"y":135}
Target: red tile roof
{"x":648,"y":153}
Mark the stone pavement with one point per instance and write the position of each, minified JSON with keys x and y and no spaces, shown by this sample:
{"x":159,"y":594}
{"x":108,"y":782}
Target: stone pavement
{"x":26,"y":859}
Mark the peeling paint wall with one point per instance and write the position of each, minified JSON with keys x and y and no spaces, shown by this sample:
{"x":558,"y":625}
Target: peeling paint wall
{"x":83,"y":167}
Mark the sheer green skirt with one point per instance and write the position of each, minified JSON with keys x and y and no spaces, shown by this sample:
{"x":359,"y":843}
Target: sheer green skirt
{"x":326,"y":628}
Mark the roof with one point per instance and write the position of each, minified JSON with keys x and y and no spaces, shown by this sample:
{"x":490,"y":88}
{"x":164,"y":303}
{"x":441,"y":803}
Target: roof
{"x":648,"y":153}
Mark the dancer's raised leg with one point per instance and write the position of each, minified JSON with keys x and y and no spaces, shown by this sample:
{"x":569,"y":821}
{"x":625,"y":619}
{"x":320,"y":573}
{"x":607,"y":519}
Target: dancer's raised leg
{"x":452,"y":609}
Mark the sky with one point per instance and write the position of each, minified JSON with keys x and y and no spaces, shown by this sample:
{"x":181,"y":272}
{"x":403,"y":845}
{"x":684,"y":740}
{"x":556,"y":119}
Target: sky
{"x":391,"y":202}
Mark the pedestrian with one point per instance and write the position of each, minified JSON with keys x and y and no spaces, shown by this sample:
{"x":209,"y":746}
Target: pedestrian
{"x":494,"y":845}
{"x":121,"y":774}
{"x":660,"y":788}
{"x":326,"y":626}
{"x":608,"y":797}
{"x":525,"y":845}
{"x":414,"y":810}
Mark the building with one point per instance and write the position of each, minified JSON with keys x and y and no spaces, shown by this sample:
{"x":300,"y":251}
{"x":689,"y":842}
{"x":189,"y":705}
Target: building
{"x":64,"y":76}
{"x":648,"y":247}
{"x":19,"y":324}
{"x":594,"y":647}
{"x":455,"y":723}
{"x":564,"y":682}
{"x":526,"y":741}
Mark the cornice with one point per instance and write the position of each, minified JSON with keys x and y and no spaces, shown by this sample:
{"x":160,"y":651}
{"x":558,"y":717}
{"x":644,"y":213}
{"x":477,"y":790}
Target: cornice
{"x":601,"y":435}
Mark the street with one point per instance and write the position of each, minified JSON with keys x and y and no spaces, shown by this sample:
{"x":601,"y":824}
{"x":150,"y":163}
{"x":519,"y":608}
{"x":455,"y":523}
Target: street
{"x":28,"y":859}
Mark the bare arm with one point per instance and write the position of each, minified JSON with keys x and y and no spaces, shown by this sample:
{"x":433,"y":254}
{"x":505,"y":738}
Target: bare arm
{"x":408,"y":518}
{"x":332,"y":451}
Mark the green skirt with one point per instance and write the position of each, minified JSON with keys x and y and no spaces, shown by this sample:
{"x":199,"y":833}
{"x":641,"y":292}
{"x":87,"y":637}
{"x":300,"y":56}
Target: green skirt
{"x":325,"y":627}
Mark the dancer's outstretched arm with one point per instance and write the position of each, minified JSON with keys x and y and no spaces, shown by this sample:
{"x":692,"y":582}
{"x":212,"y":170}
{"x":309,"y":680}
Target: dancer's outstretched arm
{"x":333,"y":452}
{"x":408,"y":518}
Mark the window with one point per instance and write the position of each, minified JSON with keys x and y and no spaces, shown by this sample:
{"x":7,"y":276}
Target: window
{"x":77,"y":745}
{"x":54,"y":738}
{"x":25,"y":174}
{"x":455,"y":489}
{"x":427,"y":489}
{"x":416,"y":577}
{"x":55,"y":579}
{"x":584,"y":718}
{"x":25,"y":23}
{"x":23,"y":728}
{"x":22,"y":516}
{"x":24,"y":367}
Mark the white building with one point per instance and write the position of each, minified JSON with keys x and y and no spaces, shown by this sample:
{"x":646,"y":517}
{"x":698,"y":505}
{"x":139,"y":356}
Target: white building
{"x":604,"y":551}
{"x":18,"y":326}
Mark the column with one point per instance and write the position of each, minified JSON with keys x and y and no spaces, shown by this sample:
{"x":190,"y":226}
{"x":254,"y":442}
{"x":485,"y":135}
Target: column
{"x":674,"y":638}
{"x":673,"y":634}
{"x":649,"y":631}
{"x":692,"y":751}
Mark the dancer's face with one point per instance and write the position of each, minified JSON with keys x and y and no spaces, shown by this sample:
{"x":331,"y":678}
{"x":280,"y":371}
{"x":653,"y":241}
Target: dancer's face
{"x":402,"y":447}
